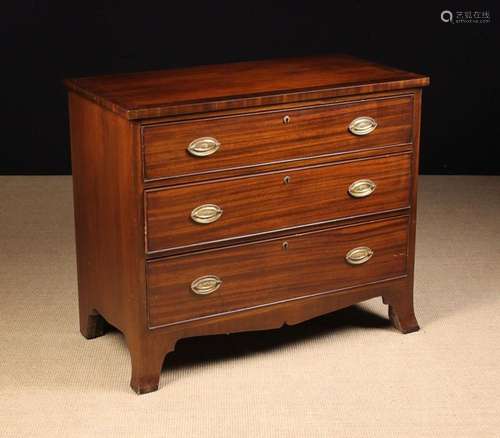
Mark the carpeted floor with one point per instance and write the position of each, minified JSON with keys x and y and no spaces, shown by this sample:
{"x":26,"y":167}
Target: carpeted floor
{"x":347,"y":374}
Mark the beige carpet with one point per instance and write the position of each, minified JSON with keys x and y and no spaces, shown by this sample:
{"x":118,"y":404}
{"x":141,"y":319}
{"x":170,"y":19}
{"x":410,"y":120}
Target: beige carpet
{"x":347,"y":374}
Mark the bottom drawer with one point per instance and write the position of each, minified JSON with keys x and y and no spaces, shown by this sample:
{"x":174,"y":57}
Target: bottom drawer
{"x":213,"y":282}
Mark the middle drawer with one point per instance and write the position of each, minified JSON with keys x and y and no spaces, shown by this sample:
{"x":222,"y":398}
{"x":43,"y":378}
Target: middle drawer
{"x":196,"y":214}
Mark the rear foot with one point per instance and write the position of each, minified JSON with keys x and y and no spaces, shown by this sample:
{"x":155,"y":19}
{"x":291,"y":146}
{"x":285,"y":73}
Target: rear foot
{"x":92,"y":325}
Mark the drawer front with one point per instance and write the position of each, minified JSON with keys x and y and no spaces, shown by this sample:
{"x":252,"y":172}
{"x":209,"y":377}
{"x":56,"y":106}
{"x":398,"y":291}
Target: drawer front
{"x":208,"y":212}
{"x":249,"y":140}
{"x":213,"y":282}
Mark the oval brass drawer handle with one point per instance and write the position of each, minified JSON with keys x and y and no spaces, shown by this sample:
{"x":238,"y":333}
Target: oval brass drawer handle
{"x":362,"y":188}
{"x":362,"y":125}
{"x":206,"y":285}
{"x":206,"y":214}
{"x":358,"y":256}
{"x":203,"y":146}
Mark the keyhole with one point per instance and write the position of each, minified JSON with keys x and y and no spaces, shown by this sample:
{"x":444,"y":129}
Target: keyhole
{"x":285,"y":245}
{"x":286,"y":120}
{"x":287,"y":179}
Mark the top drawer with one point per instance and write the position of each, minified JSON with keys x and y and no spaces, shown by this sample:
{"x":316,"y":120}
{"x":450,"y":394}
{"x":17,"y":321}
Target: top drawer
{"x":225,"y":143}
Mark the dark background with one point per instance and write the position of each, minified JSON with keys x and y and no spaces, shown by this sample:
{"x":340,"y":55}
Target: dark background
{"x":46,"y":41}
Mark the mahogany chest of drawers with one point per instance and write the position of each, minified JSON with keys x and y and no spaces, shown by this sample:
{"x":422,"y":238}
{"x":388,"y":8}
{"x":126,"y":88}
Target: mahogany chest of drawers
{"x":238,"y":197}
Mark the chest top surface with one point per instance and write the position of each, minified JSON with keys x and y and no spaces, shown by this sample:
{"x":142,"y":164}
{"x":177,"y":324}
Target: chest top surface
{"x":238,"y":85}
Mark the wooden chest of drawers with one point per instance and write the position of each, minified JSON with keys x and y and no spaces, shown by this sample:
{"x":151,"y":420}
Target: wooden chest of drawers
{"x":240,"y":197}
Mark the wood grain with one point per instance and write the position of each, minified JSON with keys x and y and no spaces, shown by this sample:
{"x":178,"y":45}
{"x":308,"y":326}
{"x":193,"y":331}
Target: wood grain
{"x":138,"y":250}
{"x":109,"y":219}
{"x":107,"y":184}
{"x":244,"y":84}
{"x":264,"y":203}
{"x":264,"y":138}
{"x":401,"y":311}
{"x":267,"y":272}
